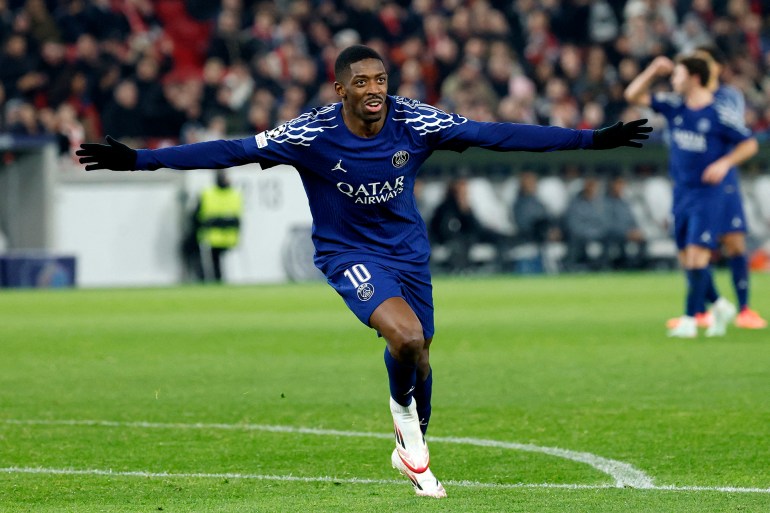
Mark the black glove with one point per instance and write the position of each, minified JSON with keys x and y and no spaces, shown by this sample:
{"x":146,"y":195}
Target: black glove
{"x":621,"y":134}
{"x":113,"y":155}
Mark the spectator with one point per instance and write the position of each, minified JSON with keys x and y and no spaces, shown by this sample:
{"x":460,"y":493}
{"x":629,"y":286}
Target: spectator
{"x":586,"y":229}
{"x":469,"y":82}
{"x":68,"y":129}
{"x":227,"y":44}
{"x":43,"y":26}
{"x":624,"y":240}
{"x":24,"y":121}
{"x":592,"y":116}
{"x":280,"y":43}
{"x":455,"y":226}
{"x":121,"y":117}
{"x":18,"y":67}
{"x":530,"y":216}
{"x":57,"y":71}
{"x":104,"y":22}
{"x":72,"y":20}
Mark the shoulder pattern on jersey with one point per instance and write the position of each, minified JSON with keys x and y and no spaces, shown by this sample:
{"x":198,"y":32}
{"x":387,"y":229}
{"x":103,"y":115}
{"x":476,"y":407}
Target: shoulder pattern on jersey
{"x":303,"y":129}
{"x":423,"y":118}
{"x":730,"y":95}
{"x":729,"y":116}
{"x":672,"y":99}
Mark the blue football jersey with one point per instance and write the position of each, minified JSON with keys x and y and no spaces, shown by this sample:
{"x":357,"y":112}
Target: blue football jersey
{"x":730,"y":99}
{"x":361,"y":190}
{"x":697,"y":137}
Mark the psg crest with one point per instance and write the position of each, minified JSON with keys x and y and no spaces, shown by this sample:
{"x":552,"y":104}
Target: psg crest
{"x":365,"y":291}
{"x":400,"y":158}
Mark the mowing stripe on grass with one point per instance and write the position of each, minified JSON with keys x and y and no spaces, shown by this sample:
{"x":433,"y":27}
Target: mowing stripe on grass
{"x":623,"y":474}
{"x":353,"y":480}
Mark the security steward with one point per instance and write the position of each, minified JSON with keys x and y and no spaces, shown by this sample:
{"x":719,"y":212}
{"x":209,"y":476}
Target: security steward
{"x":217,"y":222}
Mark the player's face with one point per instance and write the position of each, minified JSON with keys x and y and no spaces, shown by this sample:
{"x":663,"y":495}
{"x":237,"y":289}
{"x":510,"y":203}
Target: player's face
{"x":680,"y":78}
{"x":365,"y":90}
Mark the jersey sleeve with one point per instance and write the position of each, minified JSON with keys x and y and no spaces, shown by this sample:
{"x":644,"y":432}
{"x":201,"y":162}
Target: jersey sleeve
{"x":204,"y":155}
{"x":665,"y":103}
{"x":266,"y":149}
{"x":731,"y":97}
{"x":511,"y":137}
{"x":445,"y":131}
{"x":732,"y":125}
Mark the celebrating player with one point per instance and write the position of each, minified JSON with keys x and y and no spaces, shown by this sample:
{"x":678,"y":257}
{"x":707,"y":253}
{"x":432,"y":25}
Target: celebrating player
{"x":706,"y":141}
{"x":732,"y":231}
{"x":358,"y":160}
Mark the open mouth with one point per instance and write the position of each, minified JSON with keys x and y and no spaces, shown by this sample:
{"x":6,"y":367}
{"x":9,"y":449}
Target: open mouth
{"x":374,"y":105}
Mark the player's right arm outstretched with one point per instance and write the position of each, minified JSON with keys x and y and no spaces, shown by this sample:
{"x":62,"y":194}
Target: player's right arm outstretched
{"x":221,"y":154}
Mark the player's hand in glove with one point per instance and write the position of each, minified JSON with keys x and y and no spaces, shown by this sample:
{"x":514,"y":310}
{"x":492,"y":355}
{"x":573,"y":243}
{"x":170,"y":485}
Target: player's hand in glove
{"x":621,"y":134}
{"x":113,"y":155}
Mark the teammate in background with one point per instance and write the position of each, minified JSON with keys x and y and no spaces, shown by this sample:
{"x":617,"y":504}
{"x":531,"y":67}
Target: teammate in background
{"x":216,"y":226}
{"x":732,"y":230}
{"x":707,"y":141}
{"x":358,"y":160}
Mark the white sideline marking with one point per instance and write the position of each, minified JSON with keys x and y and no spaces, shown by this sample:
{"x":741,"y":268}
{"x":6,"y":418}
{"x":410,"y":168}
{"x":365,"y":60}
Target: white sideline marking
{"x":353,"y":480}
{"x":260,"y":477}
{"x":623,"y":474}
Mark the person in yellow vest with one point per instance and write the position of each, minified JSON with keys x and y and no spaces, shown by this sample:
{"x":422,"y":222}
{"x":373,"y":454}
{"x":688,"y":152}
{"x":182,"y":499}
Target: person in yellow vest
{"x":217,"y":224}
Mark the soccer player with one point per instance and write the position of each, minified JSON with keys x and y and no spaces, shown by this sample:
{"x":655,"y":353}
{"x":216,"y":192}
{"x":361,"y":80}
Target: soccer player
{"x":358,"y":160}
{"x":706,"y":142}
{"x":732,"y":230}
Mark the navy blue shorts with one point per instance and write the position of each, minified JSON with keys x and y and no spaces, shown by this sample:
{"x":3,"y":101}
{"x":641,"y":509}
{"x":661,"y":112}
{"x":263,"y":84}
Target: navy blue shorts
{"x":698,"y":226}
{"x":732,"y":218}
{"x":365,"y":285}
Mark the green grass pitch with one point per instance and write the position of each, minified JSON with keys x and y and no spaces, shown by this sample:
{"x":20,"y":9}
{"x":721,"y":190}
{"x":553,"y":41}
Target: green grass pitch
{"x":552,"y":394}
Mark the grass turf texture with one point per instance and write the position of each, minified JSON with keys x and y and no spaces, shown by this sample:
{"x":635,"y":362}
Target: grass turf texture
{"x":576,"y":362}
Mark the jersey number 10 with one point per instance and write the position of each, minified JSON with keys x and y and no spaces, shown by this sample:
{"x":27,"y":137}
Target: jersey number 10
{"x":357,"y":275}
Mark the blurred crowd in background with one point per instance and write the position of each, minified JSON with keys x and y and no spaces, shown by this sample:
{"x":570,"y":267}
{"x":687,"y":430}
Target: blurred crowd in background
{"x":161,"y":72}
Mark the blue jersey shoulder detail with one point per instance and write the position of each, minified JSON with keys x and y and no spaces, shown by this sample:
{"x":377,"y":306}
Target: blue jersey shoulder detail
{"x":423,"y":118}
{"x":730,"y":96}
{"x":731,"y":114}
{"x":302,"y":130}
{"x":672,"y":100}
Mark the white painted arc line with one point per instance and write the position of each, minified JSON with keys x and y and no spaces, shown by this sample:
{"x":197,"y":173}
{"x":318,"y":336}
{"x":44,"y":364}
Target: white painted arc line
{"x":354,"y":480}
{"x":623,"y":474}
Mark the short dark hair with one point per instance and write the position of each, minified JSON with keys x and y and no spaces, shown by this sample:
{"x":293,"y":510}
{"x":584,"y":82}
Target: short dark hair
{"x":351,"y":55}
{"x":697,"y":66}
{"x":714,"y":52}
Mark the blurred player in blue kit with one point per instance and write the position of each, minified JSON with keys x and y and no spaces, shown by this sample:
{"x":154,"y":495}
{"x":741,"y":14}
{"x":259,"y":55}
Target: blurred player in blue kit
{"x":358,"y":160}
{"x":732,"y":232}
{"x":708,"y":140}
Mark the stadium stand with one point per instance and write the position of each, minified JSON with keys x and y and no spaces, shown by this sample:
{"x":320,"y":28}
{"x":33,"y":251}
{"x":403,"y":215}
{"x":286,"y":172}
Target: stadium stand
{"x":199,"y":70}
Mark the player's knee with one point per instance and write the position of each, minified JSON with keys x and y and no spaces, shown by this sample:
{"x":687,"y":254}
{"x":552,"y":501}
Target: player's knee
{"x":407,"y":343}
{"x":734,"y":247}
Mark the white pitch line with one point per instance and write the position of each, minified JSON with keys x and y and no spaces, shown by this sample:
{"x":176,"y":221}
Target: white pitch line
{"x":351,"y":480}
{"x":263,"y":477}
{"x":623,"y":474}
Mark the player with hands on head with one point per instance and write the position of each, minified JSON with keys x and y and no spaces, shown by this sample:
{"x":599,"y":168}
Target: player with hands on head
{"x":732,"y":221}
{"x":706,"y":142}
{"x":358,"y":160}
